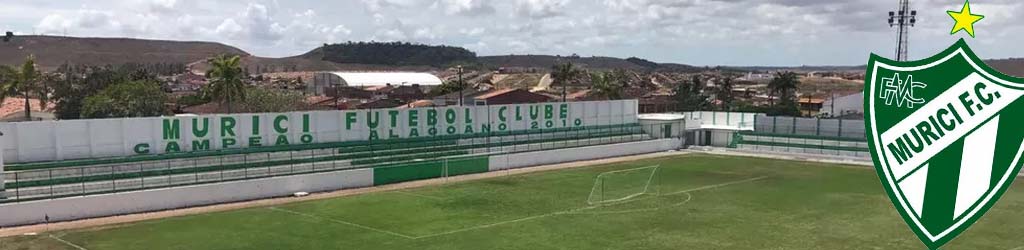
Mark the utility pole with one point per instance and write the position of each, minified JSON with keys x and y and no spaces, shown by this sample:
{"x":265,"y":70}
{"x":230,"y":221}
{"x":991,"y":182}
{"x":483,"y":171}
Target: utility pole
{"x":903,"y":19}
{"x":462,"y":86}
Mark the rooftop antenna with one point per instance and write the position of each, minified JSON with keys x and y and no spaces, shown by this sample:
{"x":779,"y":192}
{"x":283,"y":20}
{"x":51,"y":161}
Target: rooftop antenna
{"x":903,"y":19}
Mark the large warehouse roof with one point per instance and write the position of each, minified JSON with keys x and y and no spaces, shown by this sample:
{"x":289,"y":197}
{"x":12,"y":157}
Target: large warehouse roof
{"x":385,"y":78}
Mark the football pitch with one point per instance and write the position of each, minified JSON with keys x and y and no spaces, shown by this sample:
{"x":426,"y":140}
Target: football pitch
{"x":692,"y":201}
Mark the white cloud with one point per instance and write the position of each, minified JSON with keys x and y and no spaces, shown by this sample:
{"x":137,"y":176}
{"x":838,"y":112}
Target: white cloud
{"x":540,"y":8}
{"x":687,"y":31}
{"x":467,"y":7}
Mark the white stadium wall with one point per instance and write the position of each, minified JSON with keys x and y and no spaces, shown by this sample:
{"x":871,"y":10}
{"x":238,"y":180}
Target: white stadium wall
{"x":34,"y":212}
{"x":64,"y":209}
{"x":81,"y":139}
{"x":519,"y":160}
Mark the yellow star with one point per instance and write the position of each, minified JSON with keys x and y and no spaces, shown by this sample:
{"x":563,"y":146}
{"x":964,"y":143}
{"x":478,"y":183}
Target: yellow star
{"x":964,"y":19}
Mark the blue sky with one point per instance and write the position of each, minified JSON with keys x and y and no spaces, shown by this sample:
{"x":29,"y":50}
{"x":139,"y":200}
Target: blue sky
{"x":698,"y":32}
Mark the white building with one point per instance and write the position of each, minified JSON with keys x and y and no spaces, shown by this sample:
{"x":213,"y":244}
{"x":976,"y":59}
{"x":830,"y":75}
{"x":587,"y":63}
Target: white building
{"x":368,"y":79}
{"x":843,"y":105}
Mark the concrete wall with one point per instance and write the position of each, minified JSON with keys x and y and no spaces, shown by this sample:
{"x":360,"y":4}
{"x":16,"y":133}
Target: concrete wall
{"x":528,"y":159}
{"x":35,"y":212}
{"x":95,"y":138}
{"x":810,"y":126}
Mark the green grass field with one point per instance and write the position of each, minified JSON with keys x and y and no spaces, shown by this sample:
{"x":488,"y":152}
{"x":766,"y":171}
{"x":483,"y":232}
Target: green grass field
{"x":695,"y":202}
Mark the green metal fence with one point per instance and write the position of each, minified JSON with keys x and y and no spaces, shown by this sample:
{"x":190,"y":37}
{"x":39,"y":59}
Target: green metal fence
{"x":34,"y":181}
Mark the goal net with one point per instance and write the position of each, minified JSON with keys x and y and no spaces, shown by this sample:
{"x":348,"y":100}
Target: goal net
{"x":622,"y":185}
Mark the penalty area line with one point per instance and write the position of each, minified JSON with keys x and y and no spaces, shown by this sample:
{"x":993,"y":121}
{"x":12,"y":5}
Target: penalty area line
{"x":341,"y":222}
{"x":578,"y":210}
{"x":54,"y":237}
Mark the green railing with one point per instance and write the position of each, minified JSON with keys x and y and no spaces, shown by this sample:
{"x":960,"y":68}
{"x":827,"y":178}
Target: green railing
{"x":46,"y":180}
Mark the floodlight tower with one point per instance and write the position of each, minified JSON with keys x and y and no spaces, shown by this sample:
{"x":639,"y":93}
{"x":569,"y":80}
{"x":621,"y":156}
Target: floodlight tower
{"x":903,"y":19}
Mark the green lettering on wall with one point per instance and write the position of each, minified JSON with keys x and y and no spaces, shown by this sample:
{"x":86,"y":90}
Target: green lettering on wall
{"x":502,"y":127}
{"x":305,"y":123}
{"x":534,"y":112}
{"x":306,"y":139}
{"x":228,"y":142}
{"x":432,"y":131}
{"x":468,"y":117}
{"x":392,"y":134}
{"x":468,"y":130}
{"x":449,"y":116}
{"x":374,"y":135}
{"x":549,"y":111}
{"x":255,"y":141}
{"x":414,"y":118}
{"x":372,"y":119}
{"x":519,"y":113}
{"x":414,"y":132}
{"x":201,"y":145}
{"x":200,"y":132}
{"x":227,"y":126}
{"x":255,"y":125}
{"x":431,"y":117}
{"x":485,"y":128}
{"x":142,"y":148}
{"x":563,"y":111}
{"x":394,"y":117}
{"x":501,"y":113}
{"x":281,"y":140}
{"x":172,"y":129}
{"x":172,"y":147}
{"x":279,"y":126}
{"x":452,"y":130}
{"x":350,"y":118}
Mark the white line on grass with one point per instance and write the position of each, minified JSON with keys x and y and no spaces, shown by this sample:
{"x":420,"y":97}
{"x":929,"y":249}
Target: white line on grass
{"x":420,"y":195}
{"x":67,"y":242}
{"x":341,"y":222}
{"x":689,"y":197}
{"x":577,"y":210}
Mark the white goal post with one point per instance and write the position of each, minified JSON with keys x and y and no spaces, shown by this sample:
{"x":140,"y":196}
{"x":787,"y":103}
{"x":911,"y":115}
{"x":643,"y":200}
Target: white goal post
{"x":622,"y":185}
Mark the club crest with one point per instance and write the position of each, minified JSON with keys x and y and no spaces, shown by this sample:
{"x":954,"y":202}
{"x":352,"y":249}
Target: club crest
{"x":945,"y":136}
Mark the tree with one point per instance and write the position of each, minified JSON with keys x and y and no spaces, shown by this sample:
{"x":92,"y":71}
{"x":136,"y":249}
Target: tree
{"x":724,"y":92}
{"x":608,"y":84}
{"x":225,"y":79}
{"x":690,"y":95}
{"x":564,"y":74}
{"x":259,"y":100}
{"x":783,"y":85}
{"x":447,"y":88}
{"x":24,"y":82}
{"x":8,"y":78}
{"x":126,"y":99}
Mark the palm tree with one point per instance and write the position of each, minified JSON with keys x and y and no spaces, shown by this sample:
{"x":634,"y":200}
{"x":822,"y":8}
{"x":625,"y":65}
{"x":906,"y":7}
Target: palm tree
{"x":563,"y":74}
{"x":608,"y":84}
{"x":784,"y":86}
{"x":225,"y":78}
{"x":20,"y":82}
{"x":8,"y":79}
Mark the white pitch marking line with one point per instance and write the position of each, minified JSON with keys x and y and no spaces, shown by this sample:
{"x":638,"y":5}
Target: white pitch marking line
{"x":67,"y":242}
{"x":341,"y":222}
{"x":420,"y":195}
{"x":572,"y":211}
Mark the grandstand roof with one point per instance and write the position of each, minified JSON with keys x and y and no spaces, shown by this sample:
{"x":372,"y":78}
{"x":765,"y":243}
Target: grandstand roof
{"x":384,"y":78}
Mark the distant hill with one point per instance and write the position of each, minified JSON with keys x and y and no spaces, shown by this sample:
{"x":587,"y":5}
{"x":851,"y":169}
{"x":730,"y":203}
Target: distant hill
{"x":597,"y":62}
{"x":52,"y":51}
{"x":391,"y":53}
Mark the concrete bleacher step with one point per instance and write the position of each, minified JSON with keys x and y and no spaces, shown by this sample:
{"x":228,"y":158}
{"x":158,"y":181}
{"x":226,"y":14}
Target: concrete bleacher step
{"x":79,"y":181}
